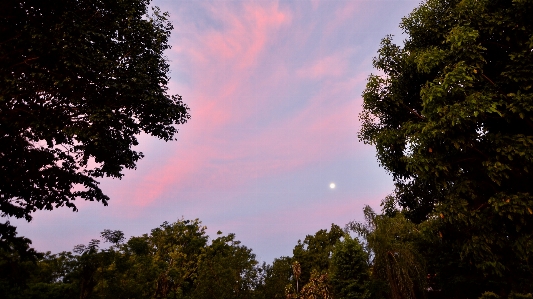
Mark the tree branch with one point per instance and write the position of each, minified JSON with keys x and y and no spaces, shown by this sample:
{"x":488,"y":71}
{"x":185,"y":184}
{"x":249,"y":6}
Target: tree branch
{"x":413,"y":111}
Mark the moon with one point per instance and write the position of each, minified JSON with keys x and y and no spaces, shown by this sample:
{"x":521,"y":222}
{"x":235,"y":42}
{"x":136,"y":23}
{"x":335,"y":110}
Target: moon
{"x":332,"y":185}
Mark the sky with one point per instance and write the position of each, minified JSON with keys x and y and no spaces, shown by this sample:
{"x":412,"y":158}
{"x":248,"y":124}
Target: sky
{"x":274,"y":90}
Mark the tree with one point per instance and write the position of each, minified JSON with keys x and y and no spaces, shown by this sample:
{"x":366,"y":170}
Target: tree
{"x":317,"y":287}
{"x":79,"y":81}
{"x":173,"y":261}
{"x":226,"y":269}
{"x":315,"y":252}
{"x":349,"y":270}
{"x":17,"y":260}
{"x":451,"y":117}
{"x":275,"y":278}
{"x":175,"y":250}
{"x":392,"y":242}
{"x":51,"y":278}
{"x":162,"y":264}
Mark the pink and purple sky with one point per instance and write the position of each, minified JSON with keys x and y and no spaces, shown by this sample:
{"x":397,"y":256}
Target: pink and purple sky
{"x":274,"y":89}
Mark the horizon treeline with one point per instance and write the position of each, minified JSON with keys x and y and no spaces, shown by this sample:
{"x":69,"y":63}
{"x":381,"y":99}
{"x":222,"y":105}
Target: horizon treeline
{"x":179,"y":260}
{"x":386,"y":256}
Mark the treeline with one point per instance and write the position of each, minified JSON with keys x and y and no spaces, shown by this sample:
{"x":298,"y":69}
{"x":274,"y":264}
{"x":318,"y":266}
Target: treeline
{"x":179,"y":260}
{"x":392,"y":258}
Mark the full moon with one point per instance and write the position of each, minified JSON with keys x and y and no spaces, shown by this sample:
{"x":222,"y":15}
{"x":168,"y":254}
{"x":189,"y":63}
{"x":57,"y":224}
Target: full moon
{"x":332,"y":185}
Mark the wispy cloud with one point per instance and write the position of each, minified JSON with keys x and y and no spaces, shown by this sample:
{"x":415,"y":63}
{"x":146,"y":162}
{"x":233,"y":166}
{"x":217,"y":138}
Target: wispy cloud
{"x":274,"y":89}
{"x":238,"y":93}
{"x":332,"y":66}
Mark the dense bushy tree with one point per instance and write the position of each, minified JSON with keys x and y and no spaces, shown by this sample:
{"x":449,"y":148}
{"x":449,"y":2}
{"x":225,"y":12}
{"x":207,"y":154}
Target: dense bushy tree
{"x":17,"y":261}
{"x":451,"y":116}
{"x":53,"y":277}
{"x":317,"y":287}
{"x":176,"y":260}
{"x":393,"y":243}
{"x":349,"y":272}
{"x":315,"y":252}
{"x":79,"y":81}
{"x":275,"y":278}
{"x":226,"y":270}
{"x":175,"y":249}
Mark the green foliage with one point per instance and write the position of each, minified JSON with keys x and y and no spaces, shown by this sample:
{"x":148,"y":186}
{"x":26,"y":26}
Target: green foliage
{"x":17,"y":261}
{"x":317,"y":287}
{"x":392,"y":242}
{"x":276,"y":278}
{"x":174,"y":261}
{"x":489,"y":295}
{"x":175,"y":250}
{"x":349,"y":270}
{"x":79,"y":81}
{"x":226,"y":270}
{"x":315,"y":251}
{"x":162,"y":264}
{"x":520,"y":296}
{"x":328,"y":264}
{"x":451,"y":117}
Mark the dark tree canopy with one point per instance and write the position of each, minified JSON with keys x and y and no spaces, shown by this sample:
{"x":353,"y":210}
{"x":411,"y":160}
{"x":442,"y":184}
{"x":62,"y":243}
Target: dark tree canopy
{"x":315,"y":251}
{"x":451,"y":117}
{"x":80,"y":79}
{"x":175,"y":260}
{"x":349,"y":270}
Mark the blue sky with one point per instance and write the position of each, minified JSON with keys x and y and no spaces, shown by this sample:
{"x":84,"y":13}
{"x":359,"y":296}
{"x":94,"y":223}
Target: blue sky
{"x":274,"y":89}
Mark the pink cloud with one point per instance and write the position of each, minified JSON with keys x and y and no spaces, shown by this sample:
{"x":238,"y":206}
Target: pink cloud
{"x":330,"y":66}
{"x":315,"y":4}
{"x":222,"y":147}
{"x":324,"y":130}
{"x":289,"y":146}
{"x":243,"y":36}
{"x":350,"y":12}
{"x":274,"y":90}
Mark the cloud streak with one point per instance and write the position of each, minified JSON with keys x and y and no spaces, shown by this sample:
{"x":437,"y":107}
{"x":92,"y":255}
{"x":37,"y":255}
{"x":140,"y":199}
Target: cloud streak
{"x":239,"y":131}
{"x":274,"y":90}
